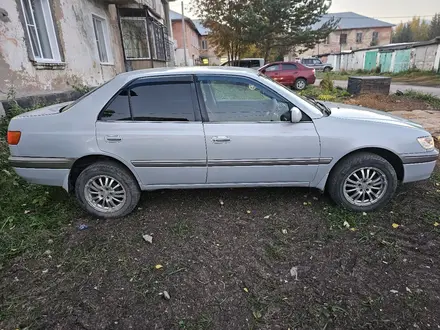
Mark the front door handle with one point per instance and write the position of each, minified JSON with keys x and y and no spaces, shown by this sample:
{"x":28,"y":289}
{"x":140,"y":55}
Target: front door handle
{"x":113,"y":138}
{"x":221,"y":139}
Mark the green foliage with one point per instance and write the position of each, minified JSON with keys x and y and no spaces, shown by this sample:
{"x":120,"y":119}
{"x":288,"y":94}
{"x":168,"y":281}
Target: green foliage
{"x":417,"y":30}
{"x":434,"y":29}
{"x":336,"y":94}
{"x":83,"y":89}
{"x":327,"y":83}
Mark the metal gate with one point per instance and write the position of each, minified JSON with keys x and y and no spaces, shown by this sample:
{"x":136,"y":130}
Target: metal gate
{"x":370,"y":61}
{"x":385,"y":62}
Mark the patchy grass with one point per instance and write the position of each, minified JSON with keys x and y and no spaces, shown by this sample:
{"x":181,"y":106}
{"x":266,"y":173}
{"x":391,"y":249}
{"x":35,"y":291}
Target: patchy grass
{"x":428,"y":98}
{"x":335,"y":95}
{"x":30,"y":215}
{"x":413,"y":77}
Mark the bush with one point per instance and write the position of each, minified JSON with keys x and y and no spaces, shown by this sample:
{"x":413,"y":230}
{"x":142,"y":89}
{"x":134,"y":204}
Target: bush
{"x":327,"y":83}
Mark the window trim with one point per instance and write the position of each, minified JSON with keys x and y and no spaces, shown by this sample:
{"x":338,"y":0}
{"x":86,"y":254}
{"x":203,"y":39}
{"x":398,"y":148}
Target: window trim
{"x":340,"y":38}
{"x":205,"y":116}
{"x":51,"y":34}
{"x":359,"y":40}
{"x":129,"y":18}
{"x":106,"y":33}
{"x":373,"y":39}
{"x":152,"y":80}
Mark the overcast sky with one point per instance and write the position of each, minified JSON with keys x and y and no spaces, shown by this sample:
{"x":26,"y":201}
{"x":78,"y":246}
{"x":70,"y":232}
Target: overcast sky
{"x":393,"y":11}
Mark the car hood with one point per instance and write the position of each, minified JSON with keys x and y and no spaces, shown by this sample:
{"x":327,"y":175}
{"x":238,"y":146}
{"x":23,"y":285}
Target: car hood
{"x":353,"y":112}
{"x":46,"y":111}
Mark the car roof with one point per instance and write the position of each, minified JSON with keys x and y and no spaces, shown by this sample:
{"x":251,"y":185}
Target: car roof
{"x":130,"y":75}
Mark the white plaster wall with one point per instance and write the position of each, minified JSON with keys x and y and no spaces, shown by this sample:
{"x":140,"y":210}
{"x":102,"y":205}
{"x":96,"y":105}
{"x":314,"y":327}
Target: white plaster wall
{"x":76,"y":41}
{"x":424,"y":58}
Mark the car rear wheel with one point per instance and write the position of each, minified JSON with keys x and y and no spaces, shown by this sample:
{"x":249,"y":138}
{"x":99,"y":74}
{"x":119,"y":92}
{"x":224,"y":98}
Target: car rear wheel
{"x":300,"y":84}
{"x":327,"y":69}
{"x":107,"y":190}
{"x":363,"y":182}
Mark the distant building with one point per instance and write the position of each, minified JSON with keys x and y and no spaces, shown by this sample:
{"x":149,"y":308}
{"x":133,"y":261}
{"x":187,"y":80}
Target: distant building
{"x":353,"y":32}
{"x":207,"y":51}
{"x":192,"y":40}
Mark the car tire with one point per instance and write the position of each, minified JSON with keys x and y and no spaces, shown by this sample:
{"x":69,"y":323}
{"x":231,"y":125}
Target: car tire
{"x":344,"y":187}
{"x":300,"y":84}
{"x":327,"y":69}
{"x":121,"y":190}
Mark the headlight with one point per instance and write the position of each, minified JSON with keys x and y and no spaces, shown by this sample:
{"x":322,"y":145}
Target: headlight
{"x":426,"y":142}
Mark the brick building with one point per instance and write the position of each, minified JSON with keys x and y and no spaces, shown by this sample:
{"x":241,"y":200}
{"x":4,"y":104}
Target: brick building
{"x":207,"y":50}
{"x":353,"y":32}
{"x":193,"y":39}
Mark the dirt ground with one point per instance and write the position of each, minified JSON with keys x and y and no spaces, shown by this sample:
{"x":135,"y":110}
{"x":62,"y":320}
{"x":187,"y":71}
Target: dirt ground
{"x":227,"y":260}
{"x":388,"y":102}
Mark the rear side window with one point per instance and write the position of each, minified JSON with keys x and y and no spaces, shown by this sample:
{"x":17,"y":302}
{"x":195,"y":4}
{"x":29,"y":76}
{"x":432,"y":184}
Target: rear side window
{"x":245,"y":64}
{"x":118,"y":109}
{"x":162,"y":102}
{"x":290,"y":67}
{"x":255,"y":64}
{"x":275,"y":67}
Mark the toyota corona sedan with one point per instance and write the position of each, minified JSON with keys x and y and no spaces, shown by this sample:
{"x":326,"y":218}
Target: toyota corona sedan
{"x":178,"y":128}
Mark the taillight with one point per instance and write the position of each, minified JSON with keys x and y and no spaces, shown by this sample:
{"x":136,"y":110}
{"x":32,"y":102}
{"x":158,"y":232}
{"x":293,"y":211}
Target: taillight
{"x":14,"y":137}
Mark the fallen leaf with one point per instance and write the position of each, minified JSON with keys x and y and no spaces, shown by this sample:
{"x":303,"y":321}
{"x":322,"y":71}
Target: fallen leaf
{"x":284,"y":231}
{"x":294,"y":272}
{"x":436,"y":224}
{"x":395,"y":225}
{"x":364,"y":214}
{"x":158,"y":266}
{"x":221,"y":202}
{"x":267,"y":216}
{"x":27,"y":212}
{"x":248,"y":212}
{"x":305,"y":203}
{"x":166,"y":295}
{"x":148,"y":238}
{"x":45,"y":271}
{"x":257,"y":315}
{"x":353,"y":229}
{"x":245,"y":290}
{"x":346,"y":224}
{"x":394,"y":291}
{"x":408,"y":290}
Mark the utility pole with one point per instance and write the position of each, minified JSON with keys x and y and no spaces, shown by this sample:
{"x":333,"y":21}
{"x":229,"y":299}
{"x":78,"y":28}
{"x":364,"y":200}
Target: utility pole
{"x":184,"y":36}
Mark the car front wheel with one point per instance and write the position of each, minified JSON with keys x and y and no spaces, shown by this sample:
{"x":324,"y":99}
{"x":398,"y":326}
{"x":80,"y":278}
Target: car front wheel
{"x":107,"y":190}
{"x":300,"y":84}
{"x":363,"y":182}
{"x":327,"y":69}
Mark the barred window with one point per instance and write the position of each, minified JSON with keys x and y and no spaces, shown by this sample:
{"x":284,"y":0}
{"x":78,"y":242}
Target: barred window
{"x":134,"y":36}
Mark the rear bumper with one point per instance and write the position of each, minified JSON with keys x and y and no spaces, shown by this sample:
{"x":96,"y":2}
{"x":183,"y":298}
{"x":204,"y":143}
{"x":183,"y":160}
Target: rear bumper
{"x":44,"y":176}
{"x":311,"y":80}
{"x":419,"y":167}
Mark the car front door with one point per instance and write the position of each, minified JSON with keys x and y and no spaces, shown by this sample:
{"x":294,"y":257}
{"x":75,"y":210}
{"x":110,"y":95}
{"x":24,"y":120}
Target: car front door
{"x":249,"y":136}
{"x":155,"y":126}
{"x":274,"y":71}
{"x":317,"y":64}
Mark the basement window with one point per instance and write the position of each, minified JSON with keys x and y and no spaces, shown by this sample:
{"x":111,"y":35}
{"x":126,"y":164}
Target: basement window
{"x":41,"y":31}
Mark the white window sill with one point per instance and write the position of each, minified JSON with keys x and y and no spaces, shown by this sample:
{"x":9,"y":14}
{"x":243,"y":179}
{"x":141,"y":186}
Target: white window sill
{"x":42,"y":65}
{"x":107,"y":64}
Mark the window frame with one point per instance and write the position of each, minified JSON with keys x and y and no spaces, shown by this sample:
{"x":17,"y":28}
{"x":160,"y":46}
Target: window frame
{"x":106,"y":34}
{"x":359,"y":39}
{"x":204,"y":112}
{"x":345,"y":38}
{"x":375,"y":36}
{"x":204,"y":44}
{"x":129,"y":18}
{"x":50,"y":30}
{"x":155,"y":80}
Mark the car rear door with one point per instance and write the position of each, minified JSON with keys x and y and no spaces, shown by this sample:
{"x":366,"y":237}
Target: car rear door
{"x":249,"y":137}
{"x":289,"y":73}
{"x":155,"y":126}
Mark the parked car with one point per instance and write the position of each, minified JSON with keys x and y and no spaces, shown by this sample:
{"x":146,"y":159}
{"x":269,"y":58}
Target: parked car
{"x":202,"y":127}
{"x":253,"y":63}
{"x":317,"y":64}
{"x":292,"y":74}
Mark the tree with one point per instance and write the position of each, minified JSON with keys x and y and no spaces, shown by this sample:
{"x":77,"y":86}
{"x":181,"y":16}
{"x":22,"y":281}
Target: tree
{"x":270,"y":25}
{"x":434,"y":28}
{"x":281,"y":24}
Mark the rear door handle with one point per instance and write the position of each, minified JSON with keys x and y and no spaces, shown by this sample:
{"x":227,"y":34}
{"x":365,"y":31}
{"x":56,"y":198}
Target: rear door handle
{"x":221,"y":139}
{"x":113,"y":138}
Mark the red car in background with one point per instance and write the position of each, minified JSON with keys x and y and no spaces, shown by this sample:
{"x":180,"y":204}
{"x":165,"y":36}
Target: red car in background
{"x":291,"y":74}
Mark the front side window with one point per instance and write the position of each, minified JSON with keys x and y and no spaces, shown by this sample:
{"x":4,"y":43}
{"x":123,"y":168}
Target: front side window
{"x":171,"y":101}
{"x":234,"y":99}
{"x":275,"y":67}
{"x":41,"y":31}
{"x":317,"y":62}
{"x":102,"y":40}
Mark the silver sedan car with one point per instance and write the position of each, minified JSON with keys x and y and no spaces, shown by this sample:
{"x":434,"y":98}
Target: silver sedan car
{"x":178,"y":128}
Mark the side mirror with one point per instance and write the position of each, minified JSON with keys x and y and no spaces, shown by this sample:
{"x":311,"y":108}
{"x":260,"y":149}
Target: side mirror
{"x":295,"y":115}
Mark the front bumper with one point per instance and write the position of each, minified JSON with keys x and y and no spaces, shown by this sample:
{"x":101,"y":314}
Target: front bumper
{"x":419,"y":166}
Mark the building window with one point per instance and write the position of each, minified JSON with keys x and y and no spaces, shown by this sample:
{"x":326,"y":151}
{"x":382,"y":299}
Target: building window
{"x":343,"y":39}
{"x":375,"y":37}
{"x":41,"y":30}
{"x":102,"y":39}
{"x":204,"y":44}
{"x":134,"y":37}
{"x":359,"y":37}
